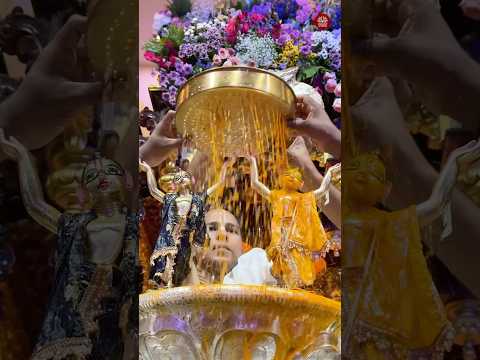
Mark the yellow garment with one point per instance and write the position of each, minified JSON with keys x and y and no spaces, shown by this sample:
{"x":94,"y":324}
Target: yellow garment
{"x":399,"y":305}
{"x":292,"y":255}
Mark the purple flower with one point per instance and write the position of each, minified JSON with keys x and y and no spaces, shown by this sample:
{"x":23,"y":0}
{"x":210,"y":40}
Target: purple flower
{"x":307,"y":37}
{"x":187,"y":69}
{"x":179,"y":67}
{"x":166,"y":96}
{"x":263,"y":9}
{"x":172,"y":90}
{"x":164,"y":82}
{"x":331,"y":85}
{"x":295,"y":34}
{"x":173,"y":99}
{"x":172,"y":75}
{"x":305,"y":50}
{"x":160,"y":19}
{"x":180,"y":81}
{"x":283,"y":66}
{"x":282,"y":40}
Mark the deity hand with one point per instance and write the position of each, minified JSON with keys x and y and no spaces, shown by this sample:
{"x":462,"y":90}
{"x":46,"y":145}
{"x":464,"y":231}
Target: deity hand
{"x":143,"y":166}
{"x":299,"y":154}
{"x":162,"y":140}
{"x":12,"y":148}
{"x":464,"y":155}
{"x":431,"y":209}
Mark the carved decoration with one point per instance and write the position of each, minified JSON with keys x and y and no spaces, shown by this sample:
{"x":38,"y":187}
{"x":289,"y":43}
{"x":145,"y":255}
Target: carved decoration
{"x":217,"y":322}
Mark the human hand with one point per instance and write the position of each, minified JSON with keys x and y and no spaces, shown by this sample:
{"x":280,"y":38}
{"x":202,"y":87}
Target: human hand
{"x":313,"y":121}
{"x":427,"y":55}
{"x":52,"y":90}
{"x":162,"y":140}
{"x":471,"y":9}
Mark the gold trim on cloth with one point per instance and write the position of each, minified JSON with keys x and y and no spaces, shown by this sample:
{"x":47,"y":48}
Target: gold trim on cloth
{"x":60,"y":349}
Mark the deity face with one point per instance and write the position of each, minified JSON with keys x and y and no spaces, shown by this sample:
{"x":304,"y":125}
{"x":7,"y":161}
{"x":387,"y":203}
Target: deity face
{"x":182,"y":182}
{"x":223,"y":230}
{"x":365,"y":188}
{"x":103,"y":176}
{"x":289,"y":182}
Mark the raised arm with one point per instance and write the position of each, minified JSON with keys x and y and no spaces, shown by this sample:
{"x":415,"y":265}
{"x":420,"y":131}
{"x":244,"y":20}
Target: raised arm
{"x":223,"y":177}
{"x":255,"y":182}
{"x":152,"y":182}
{"x":431,"y":209}
{"x":324,"y":190}
{"x":30,"y":186}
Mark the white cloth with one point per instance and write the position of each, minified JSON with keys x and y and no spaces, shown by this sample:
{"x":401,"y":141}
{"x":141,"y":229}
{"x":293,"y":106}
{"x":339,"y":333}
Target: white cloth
{"x":253,"y":268}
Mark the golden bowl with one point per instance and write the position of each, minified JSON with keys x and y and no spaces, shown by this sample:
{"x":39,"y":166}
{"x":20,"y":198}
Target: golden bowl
{"x":112,"y":36}
{"x":234,"y":110}
{"x":235,"y":322}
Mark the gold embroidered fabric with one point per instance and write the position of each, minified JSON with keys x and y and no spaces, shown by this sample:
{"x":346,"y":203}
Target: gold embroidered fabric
{"x":399,"y":309}
{"x":290,"y":248}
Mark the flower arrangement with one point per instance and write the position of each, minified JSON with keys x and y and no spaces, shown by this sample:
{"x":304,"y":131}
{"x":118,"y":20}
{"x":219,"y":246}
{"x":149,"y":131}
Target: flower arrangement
{"x":272,"y":35}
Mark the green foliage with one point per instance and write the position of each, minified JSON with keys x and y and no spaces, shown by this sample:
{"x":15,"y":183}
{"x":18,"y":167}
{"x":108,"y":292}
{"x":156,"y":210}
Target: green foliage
{"x":179,"y":8}
{"x":310,"y":71}
{"x":174,"y":36}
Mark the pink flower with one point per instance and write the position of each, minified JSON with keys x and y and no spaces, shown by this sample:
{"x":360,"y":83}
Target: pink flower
{"x":217,"y":60}
{"x":251,"y":63}
{"x":331,"y":85}
{"x":231,"y":52}
{"x":223,"y":53}
{"x":329,"y":75}
{"x":338,"y":90}
{"x":150,"y":56}
{"x":231,"y":31}
{"x":245,"y":28}
{"x":227,"y":63}
{"x":256,"y":17}
{"x":234,"y":60}
{"x":337,"y":105}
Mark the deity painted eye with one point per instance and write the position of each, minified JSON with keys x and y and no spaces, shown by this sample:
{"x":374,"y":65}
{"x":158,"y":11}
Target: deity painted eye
{"x":91,"y":175}
{"x":113,"y":169}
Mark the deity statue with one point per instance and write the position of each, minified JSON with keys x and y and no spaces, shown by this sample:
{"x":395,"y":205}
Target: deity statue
{"x":182,"y":225}
{"x":95,"y":269}
{"x":297,"y":231}
{"x":393,"y":308}
{"x":165,"y":182}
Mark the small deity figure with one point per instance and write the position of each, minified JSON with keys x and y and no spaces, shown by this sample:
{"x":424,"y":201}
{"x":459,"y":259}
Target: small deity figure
{"x":297,"y":231}
{"x":95,"y":270}
{"x":182,"y":225}
{"x":393,"y":310}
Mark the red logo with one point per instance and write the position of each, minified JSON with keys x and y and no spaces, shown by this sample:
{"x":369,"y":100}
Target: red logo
{"x":322,"y":21}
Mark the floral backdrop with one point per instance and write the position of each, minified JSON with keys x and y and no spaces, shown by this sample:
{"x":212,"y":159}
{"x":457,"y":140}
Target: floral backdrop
{"x":273,"y":35}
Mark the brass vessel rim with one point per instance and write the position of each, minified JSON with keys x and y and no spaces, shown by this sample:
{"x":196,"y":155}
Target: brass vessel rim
{"x":231,"y":68}
{"x":250,"y":294}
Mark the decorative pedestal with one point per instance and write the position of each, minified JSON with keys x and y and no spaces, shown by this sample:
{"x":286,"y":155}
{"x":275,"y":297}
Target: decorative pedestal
{"x":217,"y":322}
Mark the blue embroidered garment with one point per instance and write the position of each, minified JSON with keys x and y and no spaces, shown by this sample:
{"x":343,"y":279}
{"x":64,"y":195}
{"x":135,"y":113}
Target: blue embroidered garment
{"x":86,"y":300}
{"x":171,"y":256}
